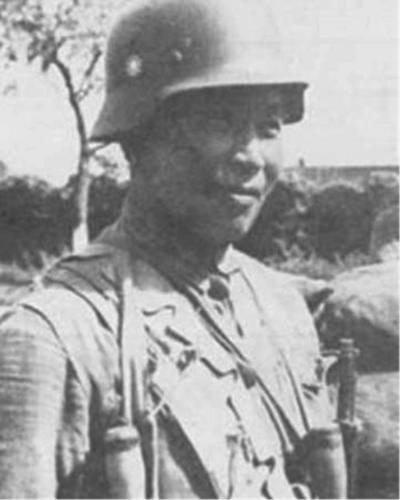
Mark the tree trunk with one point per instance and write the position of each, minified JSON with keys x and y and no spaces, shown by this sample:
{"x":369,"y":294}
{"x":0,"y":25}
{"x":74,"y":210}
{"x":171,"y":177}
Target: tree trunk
{"x":80,"y":233}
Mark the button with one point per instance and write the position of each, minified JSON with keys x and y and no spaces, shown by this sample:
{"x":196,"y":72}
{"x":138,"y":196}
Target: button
{"x":218,"y":288}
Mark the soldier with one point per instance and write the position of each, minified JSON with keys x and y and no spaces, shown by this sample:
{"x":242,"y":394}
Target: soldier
{"x":160,"y":361}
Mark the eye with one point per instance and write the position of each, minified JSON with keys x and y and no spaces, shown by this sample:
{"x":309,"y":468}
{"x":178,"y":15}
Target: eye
{"x":211,"y":122}
{"x":269,"y":128}
{"x":218,"y":125}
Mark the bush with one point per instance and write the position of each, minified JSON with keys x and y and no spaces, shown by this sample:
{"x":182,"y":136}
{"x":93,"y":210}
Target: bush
{"x":382,"y":190}
{"x":105,"y":201}
{"x":300,"y":220}
{"x":327,"y":220}
{"x":34,"y":217}
{"x":341,"y":218}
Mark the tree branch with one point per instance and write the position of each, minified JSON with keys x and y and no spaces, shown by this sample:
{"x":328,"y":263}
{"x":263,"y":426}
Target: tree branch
{"x":85,"y":87}
{"x":96,"y":53}
{"x":93,"y":150}
{"x":73,"y":100}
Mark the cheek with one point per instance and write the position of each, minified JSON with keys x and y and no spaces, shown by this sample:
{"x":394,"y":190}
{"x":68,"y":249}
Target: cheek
{"x":171,"y":174}
{"x":273,"y":160}
{"x":210,"y":146}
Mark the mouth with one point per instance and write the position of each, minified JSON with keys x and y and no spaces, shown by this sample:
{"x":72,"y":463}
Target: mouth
{"x":238,"y":198}
{"x":237,"y":190}
{"x":242,"y":191}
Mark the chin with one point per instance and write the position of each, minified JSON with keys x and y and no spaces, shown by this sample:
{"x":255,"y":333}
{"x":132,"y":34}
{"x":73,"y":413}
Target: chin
{"x":228,"y":233}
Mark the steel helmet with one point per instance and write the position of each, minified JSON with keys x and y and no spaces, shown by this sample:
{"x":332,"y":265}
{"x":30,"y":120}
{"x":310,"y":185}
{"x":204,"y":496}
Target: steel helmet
{"x":159,"y":48}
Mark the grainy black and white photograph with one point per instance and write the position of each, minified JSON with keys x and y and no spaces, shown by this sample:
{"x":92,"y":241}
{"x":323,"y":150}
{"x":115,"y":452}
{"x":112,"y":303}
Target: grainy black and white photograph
{"x":199,"y":244}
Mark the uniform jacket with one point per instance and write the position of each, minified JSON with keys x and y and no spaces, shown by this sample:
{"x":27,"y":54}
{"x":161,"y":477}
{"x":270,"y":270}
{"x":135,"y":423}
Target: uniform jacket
{"x":218,"y":434}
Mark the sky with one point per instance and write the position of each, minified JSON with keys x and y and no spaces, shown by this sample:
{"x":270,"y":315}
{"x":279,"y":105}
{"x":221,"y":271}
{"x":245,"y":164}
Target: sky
{"x":346,"y":49}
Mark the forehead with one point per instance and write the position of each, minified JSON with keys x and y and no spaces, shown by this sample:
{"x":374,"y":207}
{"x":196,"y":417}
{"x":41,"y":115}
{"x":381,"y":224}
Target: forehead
{"x":261,"y":98}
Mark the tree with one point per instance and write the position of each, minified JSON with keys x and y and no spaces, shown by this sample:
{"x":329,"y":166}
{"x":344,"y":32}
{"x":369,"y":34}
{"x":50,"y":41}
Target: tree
{"x":66,"y":36}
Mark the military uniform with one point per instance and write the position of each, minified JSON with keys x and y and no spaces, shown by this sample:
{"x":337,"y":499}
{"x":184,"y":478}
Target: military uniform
{"x":224,"y":426}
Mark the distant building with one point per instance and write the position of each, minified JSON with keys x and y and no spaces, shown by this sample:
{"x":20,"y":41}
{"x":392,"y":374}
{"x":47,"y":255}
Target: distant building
{"x":3,"y":170}
{"x":302,"y":163}
{"x":322,"y":174}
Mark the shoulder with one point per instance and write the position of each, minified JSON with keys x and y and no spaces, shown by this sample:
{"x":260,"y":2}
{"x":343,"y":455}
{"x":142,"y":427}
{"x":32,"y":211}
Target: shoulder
{"x":31,"y":355}
{"x":76,"y":307}
{"x":284,"y":307}
{"x":257,"y":267}
{"x":81,"y":291}
{"x":72,"y":297}
{"x":269,"y":281}
{"x":83,"y":285}
{"x":25,"y":330}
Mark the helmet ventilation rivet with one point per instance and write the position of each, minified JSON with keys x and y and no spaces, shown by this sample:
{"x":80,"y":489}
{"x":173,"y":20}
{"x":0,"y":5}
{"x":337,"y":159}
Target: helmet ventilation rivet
{"x":178,"y":56}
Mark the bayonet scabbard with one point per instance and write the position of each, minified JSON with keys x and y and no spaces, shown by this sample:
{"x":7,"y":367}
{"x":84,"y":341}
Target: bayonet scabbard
{"x":346,"y":408}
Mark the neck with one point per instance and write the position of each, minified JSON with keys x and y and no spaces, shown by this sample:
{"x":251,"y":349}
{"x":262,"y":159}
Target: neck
{"x":148,"y":226}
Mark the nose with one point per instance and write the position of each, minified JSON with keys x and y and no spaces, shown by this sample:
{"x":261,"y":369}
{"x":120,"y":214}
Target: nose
{"x":248,"y":157}
{"x":248,"y":150}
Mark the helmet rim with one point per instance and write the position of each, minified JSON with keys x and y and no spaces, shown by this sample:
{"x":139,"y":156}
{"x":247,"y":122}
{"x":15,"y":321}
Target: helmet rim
{"x":117,"y":117}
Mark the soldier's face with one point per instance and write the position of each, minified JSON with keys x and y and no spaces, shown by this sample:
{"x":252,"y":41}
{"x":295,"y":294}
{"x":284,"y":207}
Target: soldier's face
{"x":212,"y":158}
